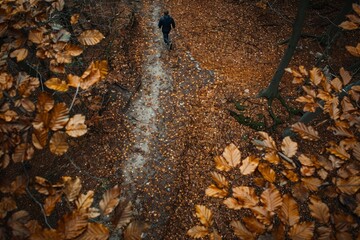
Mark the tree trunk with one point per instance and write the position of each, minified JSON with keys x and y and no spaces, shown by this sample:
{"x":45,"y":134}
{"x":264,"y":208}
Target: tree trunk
{"x":272,"y":90}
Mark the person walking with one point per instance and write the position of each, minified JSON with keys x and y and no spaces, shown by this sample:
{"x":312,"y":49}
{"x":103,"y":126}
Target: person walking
{"x":165,"y":23}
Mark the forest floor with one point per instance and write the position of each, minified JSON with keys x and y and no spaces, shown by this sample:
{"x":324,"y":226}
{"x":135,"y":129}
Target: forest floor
{"x":160,"y":147}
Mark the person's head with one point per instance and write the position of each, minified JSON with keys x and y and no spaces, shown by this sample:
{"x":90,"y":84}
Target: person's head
{"x":166,"y":12}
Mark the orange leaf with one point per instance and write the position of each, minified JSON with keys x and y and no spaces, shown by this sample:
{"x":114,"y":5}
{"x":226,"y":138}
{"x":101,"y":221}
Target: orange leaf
{"x":72,"y":188}
{"x":232,"y":155}
{"x":20,"y":54}
{"x":219,"y":179}
{"x":204,"y":215}
{"x":348,"y":186}
{"x":59,"y":116}
{"x":316,"y":76}
{"x":213,"y":191}
{"x":311,"y":183}
{"x":36,"y":35}
{"x":254,"y":225}
{"x":305,"y":132}
{"x":353,"y":51}
{"x":57,"y":84}
{"x":345,"y":76}
{"x":347,"y":25}
{"x":23,"y":152}
{"x":221,"y":164}
{"x":272,"y":157}
{"x":268,"y":143}
{"x":232,"y":203}
{"x":74,"y":18}
{"x":289,"y":147}
{"x":90,"y":37}
{"x":84,"y":201}
{"x":249,"y":165}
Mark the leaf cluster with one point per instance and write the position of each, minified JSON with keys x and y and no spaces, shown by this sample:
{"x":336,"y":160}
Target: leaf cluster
{"x":83,"y":220}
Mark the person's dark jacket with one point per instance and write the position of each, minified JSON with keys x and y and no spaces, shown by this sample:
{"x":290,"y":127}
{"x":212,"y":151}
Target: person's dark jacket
{"x":166,"y":22}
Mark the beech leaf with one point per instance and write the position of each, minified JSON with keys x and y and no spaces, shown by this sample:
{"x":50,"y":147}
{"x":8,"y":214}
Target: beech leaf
{"x":134,"y":230}
{"x":289,"y":147}
{"x":249,"y":165}
{"x":289,"y":212}
{"x":246,"y":195}
{"x":305,"y":132}
{"x":198,"y":232}
{"x":58,"y":143}
{"x":219,"y":179}
{"x":76,"y":126}
{"x":302,"y":231}
{"x":204,"y":215}
{"x":110,"y":200}
{"x":57,"y":84}
{"x":232,"y":155}
{"x":271,"y":199}
{"x":319,"y":210}
{"x":90,"y":37}
{"x":241,"y":231}
{"x":214,"y":191}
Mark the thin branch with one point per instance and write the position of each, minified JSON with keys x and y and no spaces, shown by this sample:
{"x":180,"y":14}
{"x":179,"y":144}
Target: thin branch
{"x":73,"y":101}
{"x":287,"y":159}
{"x":33,"y":198}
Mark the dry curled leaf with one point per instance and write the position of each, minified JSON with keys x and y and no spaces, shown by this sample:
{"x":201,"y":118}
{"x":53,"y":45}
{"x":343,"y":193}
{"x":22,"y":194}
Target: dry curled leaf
{"x":232,"y":203}
{"x":253,"y":225}
{"x":268,"y":143}
{"x":17,"y":223}
{"x":221,"y":164}
{"x":57,"y":84}
{"x":72,"y":224}
{"x":58,"y":143}
{"x":267,"y":172}
{"x":246,"y":195}
{"x":348,"y":186}
{"x":219,"y":179}
{"x":50,"y":203}
{"x":84,"y":201}
{"x":95,"y":231}
{"x":124,"y":215}
{"x":214,"y":191}
{"x":72,"y":188}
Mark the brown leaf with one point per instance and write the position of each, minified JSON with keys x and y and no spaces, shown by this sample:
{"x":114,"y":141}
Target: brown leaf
{"x":124,"y":215}
{"x":20,"y":54}
{"x":215,"y":235}
{"x":22,"y":152}
{"x":26,"y":103}
{"x":7,"y":204}
{"x":74,"y":18}
{"x":50,"y":203}
{"x":204,"y":215}
{"x":289,"y":147}
{"x":72,"y":224}
{"x":267,"y":172}
{"x":57,"y":84}
{"x":95,"y":231}
{"x":219,"y":179}
{"x":311,"y":183}
{"x":84,"y":201}
{"x":198,"y":232}
{"x":336,"y":83}
{"x":214,"y":191}
{"x":76,"y":126}
{"x":39,"y":138}
{"x":43,"y":186}
{"x":289,"y":213}
{"x":353,"y":51}
{"x":44,"y":102}
{"x":305,"y":132}
{"x":324,"y":233}
{"x":18,"y":186}
{"x":262,"y":214}
{"x":300,"y":192}
{"x":302,"y":231}
{"x":232,"y":155}
{"x":221,"y":164}
{"x":345,"y":76}
{"x":36,"y":35}
{"x":110,"y":200}
{"x":241,"y":231}
{"x":319,"y":210}
{"x":134,"y":230}
{"x":253,"y":225}
{"x":305,"y":161}
{"x":246,"y":196}
{"x":348,"y":186}
{"x":271,"y":199}
{"x":232,"y":203}
{"x":249,"y":165}
{"x":347,"y":25}
{"x":103,"y":67}
{"x":356,"y":8}
{"x":59,"y":116}
{"x":17,"y":223}
{"x":343,"y":222}
{"x":272,"y":157}
{"x":72,"y":189}
{"x":338,"y":151}
{"x":90,"y":37}
{"x":58,"y":143}
{"x":46,"y":234}
{"x":268,"y":143}
{"x":316,"y":76}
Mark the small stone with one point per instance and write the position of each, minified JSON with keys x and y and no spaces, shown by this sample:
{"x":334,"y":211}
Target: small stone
{"x":246,"y":91}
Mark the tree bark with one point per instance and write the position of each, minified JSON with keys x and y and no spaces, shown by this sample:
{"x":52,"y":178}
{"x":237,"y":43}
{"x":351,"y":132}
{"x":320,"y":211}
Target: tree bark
{"x":272,"y":91}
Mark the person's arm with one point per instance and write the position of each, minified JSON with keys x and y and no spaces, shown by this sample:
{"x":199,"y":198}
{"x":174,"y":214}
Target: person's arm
{"x":160,"y":23}
{"x":172,"y":22}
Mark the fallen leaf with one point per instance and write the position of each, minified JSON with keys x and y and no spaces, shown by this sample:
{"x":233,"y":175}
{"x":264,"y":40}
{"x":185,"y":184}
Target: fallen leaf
{"x":249,"y":165}
{"x":204,"y":215}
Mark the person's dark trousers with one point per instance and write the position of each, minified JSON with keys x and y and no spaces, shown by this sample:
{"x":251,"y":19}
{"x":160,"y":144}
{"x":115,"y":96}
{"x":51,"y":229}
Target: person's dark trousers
{"x":166,"y":37}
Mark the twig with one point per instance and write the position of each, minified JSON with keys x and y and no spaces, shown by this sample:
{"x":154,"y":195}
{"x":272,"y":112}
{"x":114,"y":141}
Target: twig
{"x":34,"y":199}
{"x":287,"y":159}
{"x":81,"y":170}
{"x":73,"y":101}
